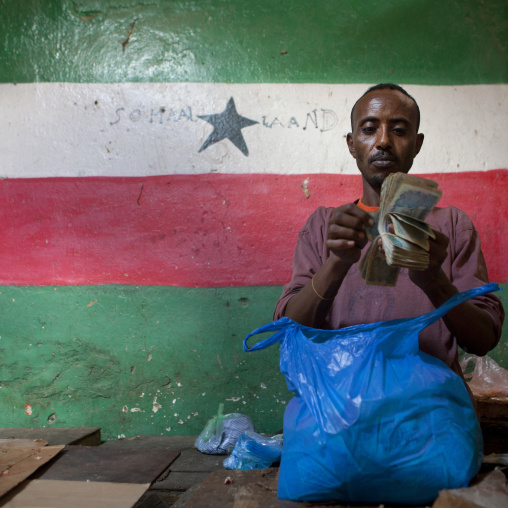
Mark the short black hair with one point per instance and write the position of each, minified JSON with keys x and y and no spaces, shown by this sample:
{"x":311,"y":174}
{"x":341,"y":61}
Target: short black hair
{"x":389,"y":86}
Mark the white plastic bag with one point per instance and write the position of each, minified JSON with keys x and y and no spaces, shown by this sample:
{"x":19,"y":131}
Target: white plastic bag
{"x":488,"y":378}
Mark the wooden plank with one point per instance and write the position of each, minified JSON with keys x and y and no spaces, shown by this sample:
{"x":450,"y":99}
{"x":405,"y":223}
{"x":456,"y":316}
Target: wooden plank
{"x":20,"y":458}
{"x":191,"y":460}
{"x":158,"y":499}
{"x":100,"y":464}
{"x":249,"y":489}
{"x":194,"y":461}
{"x":153,"y":442}
{"x":493,"y":416}
{"x":180,"y":481}
{"x":87,"y":436}
{"x":62,"y":494}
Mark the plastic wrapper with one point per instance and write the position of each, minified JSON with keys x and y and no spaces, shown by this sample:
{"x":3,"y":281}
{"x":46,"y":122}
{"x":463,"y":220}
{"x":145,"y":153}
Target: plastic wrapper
{"x":254,"y":451}
{"x":373,"y":419}
{"x":222,"y":432}
{"x":488,"y":379}
{"x":489,"y":492}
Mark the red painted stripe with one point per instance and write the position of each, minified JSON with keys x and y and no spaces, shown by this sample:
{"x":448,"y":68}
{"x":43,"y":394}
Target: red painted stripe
{"x":204,"y":230}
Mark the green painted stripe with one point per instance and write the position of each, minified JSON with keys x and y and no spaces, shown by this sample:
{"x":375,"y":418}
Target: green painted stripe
{"x":88,"y":355}
{"x":80,"y":354}
{"x":328,"y":41}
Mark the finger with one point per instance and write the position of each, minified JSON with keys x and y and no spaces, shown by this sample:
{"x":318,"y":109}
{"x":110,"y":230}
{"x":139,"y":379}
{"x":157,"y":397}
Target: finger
{"x":340,"y":245}
{"x":350,"y":236}
{"x":351,"y":216}
{"x":336,"y":232}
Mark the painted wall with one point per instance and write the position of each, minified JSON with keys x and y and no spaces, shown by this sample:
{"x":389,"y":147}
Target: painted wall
{"x":139,"y":243}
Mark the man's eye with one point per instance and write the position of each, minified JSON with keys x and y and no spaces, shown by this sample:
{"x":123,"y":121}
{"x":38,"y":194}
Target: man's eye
{"x":368,"y":130}
{"x":400,"y":131}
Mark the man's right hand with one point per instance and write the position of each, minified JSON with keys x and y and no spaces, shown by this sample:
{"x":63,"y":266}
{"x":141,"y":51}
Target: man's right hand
{"x":346,"y":232}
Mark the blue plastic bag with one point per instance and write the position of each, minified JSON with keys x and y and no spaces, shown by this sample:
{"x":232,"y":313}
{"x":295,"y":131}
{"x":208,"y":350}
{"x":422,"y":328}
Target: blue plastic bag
{"x":373,"y":419}
{"x":254,"y":451}
{"x":222,"y":432}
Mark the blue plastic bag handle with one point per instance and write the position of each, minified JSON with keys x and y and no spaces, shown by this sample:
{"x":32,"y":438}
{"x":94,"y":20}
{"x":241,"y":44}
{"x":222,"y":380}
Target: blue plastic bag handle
{"x":422,"y":321}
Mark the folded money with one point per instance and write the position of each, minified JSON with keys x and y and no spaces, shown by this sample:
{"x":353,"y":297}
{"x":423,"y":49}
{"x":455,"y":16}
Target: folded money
{"x":406,"y":200}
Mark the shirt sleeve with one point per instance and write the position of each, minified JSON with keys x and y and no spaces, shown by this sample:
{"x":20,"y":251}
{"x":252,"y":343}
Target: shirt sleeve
{"x":470,"y":270}
{"x":310,"y":253}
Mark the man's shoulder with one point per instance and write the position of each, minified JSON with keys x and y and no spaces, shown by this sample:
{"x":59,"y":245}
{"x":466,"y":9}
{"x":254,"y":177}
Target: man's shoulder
{"x":448,"y":213}
{"x":450,"y":218}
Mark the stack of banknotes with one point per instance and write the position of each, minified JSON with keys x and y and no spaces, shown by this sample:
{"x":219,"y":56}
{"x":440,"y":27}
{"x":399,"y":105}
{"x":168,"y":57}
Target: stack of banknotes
{"x":406,"y":201}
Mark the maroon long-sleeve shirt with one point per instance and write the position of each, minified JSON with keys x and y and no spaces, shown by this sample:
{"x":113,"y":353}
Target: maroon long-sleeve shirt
{"x":358,"y":303}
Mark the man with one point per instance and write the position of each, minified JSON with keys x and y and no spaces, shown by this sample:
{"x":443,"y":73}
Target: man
{"x":327,"y":290}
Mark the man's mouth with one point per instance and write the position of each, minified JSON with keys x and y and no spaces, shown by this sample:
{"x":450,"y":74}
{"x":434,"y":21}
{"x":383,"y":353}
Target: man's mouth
{"x":383,"y":160}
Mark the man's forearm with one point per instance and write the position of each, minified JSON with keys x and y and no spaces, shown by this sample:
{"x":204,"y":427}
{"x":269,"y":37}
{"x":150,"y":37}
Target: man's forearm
{"x":312,"y":303}
{"x":472,"y":326}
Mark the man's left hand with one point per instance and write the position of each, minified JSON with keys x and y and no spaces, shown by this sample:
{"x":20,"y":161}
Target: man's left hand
{"x":438,"y":251}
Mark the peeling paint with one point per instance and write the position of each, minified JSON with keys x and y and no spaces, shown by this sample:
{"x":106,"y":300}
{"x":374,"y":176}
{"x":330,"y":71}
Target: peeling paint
{"x":149,"y":358}
{"x":234,"y":399}
{"x":263,"y":386}
{"x":28,"y":408}
{"x":305,"y":189}
{"x":100,"y":375}
{"x":92,"y":303}
{"x":156,"y":405}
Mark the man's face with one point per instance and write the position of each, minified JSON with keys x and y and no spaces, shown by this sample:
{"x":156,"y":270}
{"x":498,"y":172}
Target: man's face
{"x":384,"y":138}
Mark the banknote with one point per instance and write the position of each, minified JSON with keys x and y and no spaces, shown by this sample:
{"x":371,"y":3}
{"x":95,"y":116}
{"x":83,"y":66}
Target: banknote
{"x":376,"y":271}
{"x":406,"y":200}
{"x":418,"y":224}
{"x":408,"y":232}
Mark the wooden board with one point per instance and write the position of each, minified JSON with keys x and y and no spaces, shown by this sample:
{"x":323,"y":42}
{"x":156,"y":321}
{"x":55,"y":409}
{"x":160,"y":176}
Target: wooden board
{"x":191,"y":460}
{"x":153,"y":442}
{"x":99,"y":464}
{"x":249,"y":489}
{"x":87,"y":436}
{"x":20,"y":458}
{"x":180,"y":481}
{"x":493,"y":415}
{"x":65,"y":494}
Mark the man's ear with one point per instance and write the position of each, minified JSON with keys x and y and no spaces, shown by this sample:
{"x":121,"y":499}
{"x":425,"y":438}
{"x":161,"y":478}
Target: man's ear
{"x":350,"y":144}
{"x":419,"y":143}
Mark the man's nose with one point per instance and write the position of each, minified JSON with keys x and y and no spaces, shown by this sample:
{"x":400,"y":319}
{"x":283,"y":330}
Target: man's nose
{"x":383,"y":139}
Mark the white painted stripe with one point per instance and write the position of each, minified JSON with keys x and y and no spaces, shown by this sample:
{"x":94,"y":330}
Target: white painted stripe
{"x":138,"y":129}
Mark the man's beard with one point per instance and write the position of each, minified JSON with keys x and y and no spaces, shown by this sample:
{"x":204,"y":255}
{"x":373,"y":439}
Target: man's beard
{"x":376,"y":181}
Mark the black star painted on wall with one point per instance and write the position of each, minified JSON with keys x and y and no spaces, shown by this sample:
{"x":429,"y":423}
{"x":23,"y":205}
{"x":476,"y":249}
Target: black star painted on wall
{"x":228,"y":124}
